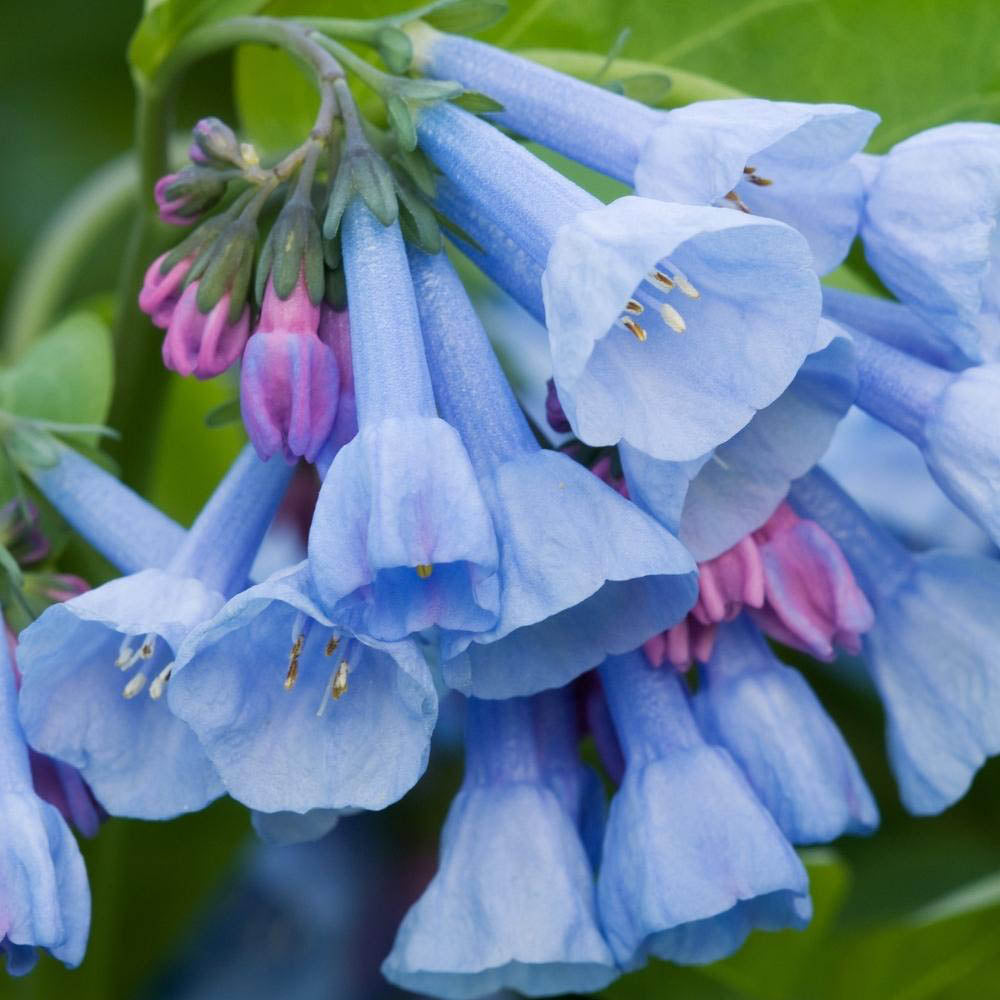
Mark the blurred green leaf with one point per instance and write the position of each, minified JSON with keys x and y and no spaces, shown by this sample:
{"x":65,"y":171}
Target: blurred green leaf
{"x":66,"y":376}
{"x":166,"y":22}
{"x":467,"y":17}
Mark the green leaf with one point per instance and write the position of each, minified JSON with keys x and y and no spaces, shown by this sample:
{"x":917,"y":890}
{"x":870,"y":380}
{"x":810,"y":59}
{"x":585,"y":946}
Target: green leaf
{"x":223,"y":414}
{"x":467,"y":17}
{"x":477,"y":103}
{"x":65,"y":377}
{"x":649,"y":88}
{"x":166,"y":22}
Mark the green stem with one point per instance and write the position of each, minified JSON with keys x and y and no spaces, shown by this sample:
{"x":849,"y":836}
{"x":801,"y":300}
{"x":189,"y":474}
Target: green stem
{"x":47,"y":274}
{"x":685,"y":86}
{"x":141,"y":378}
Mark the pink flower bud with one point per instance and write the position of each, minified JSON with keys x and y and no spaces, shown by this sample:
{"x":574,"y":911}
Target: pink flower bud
{"x":290,"y":381}
{"x":161,"y":291}
{"x":204,"y":344}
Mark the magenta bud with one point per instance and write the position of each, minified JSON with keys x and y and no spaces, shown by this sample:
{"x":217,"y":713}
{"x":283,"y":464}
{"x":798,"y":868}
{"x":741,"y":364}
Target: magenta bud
{"x":183,"y":197}
{"x":290,"y":382}
{"x":161,"y":291}
{"x":204,"y":344}
{"x":215,"y":142}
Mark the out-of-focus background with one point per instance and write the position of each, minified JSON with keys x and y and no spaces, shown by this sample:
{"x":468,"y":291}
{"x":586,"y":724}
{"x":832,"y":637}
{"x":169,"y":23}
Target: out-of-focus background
{"x":196,"y":909}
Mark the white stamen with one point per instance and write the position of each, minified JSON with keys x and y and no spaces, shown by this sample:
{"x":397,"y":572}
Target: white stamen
{"x":339,"y":684}
{"x":672,"y":318}
{"x":134,"y":686}
{"x":148,"y":647}
{"x":159,"y":684}
{"x":124,"y":660}
{"x":686,"y":287}
{"x":715,"y":458}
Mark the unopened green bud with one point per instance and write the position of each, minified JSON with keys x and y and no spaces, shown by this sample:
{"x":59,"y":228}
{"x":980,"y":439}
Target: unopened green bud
{"x":215,"y":144}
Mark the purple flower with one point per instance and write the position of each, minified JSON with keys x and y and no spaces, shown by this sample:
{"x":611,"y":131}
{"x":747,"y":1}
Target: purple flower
{"x":162,"y":288}
{"x":204,"y":344}
{"x":290,"y":383}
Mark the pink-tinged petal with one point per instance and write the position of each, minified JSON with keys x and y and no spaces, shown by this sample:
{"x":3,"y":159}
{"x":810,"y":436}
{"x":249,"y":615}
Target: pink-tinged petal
{"x":200,"y":344}
{"x":162,"y":291}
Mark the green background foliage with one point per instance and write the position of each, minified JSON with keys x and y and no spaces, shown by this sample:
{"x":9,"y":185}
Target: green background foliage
{"x":910,"y":914}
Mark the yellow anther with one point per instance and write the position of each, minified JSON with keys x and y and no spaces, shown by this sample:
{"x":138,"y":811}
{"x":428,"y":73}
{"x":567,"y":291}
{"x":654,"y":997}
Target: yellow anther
{"x":737,"y":201}
{"x":331,"y":646}
{"x":339,"y":684}
{"x":635,"y":308}
{"x":293,"y":662}
{"x":424,"y":570}
{"x":159,"y":684}
{"x":634,"y":328}
{"x":661,"y":279}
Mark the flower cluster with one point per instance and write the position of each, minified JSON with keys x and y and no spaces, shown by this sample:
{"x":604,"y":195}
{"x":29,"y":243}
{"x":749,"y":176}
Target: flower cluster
{"x":620,"y":584}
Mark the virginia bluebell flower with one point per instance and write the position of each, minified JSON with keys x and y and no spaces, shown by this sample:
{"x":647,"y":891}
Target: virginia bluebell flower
{"x":930,"y":231}
{"x":290,"y":379}
{"x":44,"y":895}
{"x":796,"y":760}
{"x":931,"y":651}
{"x":718,"y":499}
{"x":128,"y":531}
{"x":139,"y":759}
{"x":953,"y":417}
{"x":692,"y":861}
{"x":707,"y":312}
{"x":583,"y":572}
{"x":401,"y":539}
{"x":774,"y":158}
{"x":325,"y":720}
{"x":893,"y":324}
{"x":512,"y":904}
{"x":886,"y":474}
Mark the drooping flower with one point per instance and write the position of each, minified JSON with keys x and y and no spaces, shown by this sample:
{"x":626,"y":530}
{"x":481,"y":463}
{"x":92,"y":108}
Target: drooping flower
{"x":692,"y":861}
{"x":714,"y":501}
{"x":791,"y":751}
{"x":779,"y":159}
{"x":401,"y":539}
{"x":894,"y":324}
{"x":327,"y":720}
{"x":138,"y":758}
{"x":953,"y":417}
{"x":44,"y":895}
{"x":930,"y":652}
{"x":707,"y":312}
{"x":512,"y":904}
{"x":930,"y":231}
{"x":583,"y":572}
{"x":289,"y":381}
{"x":162,"y":288}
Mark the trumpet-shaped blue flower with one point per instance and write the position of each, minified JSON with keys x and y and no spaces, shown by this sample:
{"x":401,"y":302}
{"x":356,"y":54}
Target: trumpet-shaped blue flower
{"x":583,"y":572}
{"x":716,"y":500}
{"x":893,"y":324}
{"x":930,"y":231}
{"x":512,"y":904}
{"x":787,"y":161}
{"x":796,"y":760}
{"x":692,"y":862}
{"x":648,"y":305}
{"x":44,"y":895}
{"x":127,"y":530}
{"x":954,"y":418}
{"x":401,"y":539}
{"x":325,"y":720}
{"x":77,"y":703}
{"x":931,"y":651}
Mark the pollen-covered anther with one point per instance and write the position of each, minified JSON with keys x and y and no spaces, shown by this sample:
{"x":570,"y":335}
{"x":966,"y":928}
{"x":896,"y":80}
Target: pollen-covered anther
{"x":685,"y":286}
{"x":633,"y":307}
{"x":738,"y":202}
{"x":134,"y":686}
{"x":159,"y":684}
{"x":293,"y":662}
{"x":424,"y":570}
{"x":754,"y":178}
{"x":339,"y":683}
{"x":148,"y":647}
{"x":672,"y":318}
{"x":331,"y":646}
{"x":659,"y":278}
{"x":634,"y":328}
{"x":126,"y":655}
